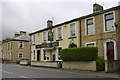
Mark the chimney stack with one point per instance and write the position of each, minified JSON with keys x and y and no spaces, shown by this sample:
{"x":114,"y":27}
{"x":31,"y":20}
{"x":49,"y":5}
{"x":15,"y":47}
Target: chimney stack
{"x":19,"y":33}
{"x":49,"y":23}
{"x":16,"y":34}
{"x":22,"y":33}
{"x":97,"y":8}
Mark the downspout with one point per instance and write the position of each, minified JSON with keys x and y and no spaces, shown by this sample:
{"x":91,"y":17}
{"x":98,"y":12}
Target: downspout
{"x":30,"y":50}
{"x":80,"y":35}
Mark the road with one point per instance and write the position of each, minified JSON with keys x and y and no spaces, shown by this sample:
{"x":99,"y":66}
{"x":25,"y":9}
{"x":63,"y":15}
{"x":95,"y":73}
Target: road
{"x":19,"y":71}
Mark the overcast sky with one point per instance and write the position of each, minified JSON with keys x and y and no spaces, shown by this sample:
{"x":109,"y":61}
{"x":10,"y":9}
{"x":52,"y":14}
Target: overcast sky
{"x":31,"y":15}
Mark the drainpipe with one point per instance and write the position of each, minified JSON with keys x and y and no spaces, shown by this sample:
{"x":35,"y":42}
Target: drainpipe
{"x":30,"y":49}
{"x":80,"y":35}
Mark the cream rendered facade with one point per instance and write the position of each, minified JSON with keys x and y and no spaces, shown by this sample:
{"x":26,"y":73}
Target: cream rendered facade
{"x":63,"y":43}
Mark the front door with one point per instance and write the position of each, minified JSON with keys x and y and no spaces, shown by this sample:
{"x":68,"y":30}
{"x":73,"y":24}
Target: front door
{"x":38,"y":55}
{"x":110,"y":50}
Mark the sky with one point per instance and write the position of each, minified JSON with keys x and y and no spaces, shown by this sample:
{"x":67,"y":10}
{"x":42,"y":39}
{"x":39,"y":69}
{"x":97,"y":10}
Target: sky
{"x":32,"y":15}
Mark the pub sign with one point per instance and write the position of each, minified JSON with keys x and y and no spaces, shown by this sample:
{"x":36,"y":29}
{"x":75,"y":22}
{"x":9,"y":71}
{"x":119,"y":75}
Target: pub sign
{"x":50,"y":36}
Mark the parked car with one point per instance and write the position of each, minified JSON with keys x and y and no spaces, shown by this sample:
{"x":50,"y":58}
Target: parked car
{"x":19,"y":59}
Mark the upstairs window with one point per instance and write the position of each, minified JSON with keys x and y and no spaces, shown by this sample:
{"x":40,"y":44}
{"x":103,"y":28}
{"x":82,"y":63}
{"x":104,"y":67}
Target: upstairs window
{"x":21,"y":45}
{"x":109,"y":22}
{"x":33,"y":39}
{"x":59,"y":33}
{"x":8,"y":46}
{"x":90,"y":26}
{"x":72,"y":30}
{"x":44,"y":36}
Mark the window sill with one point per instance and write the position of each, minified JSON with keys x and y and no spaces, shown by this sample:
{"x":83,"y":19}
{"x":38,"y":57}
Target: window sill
{"x":59,"y":39}
{"x":109,"y":31}
{"x":89,"y":34}
{"x":33,"y":44}
{"x":72,"y":37}
{"x":20,"y":48}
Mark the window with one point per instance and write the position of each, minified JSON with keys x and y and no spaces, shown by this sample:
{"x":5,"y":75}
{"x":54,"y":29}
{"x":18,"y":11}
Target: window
{"x":34,"y":54}
{"x":8,"y":46}
{"x":90,"y":44}
{"x":11,"y":45}
{"x":10,"y":55}
{"x":90,"y":26}
{"x":33,"y":39}
{"x":21,"y":45}
{"x":59,"y":50}
{"x":72,"y":30}
{"x":44,"y":54}
{"x":59,"y":33}
{"x":44,"y":36}
{"x":109,"y":22}
{"x":20,"y":55}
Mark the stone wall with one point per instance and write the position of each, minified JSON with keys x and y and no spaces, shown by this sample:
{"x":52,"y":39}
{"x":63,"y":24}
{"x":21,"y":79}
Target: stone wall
{"x":111,"y":66}
{"x":46,"y":64}
{"x":80,"y":65}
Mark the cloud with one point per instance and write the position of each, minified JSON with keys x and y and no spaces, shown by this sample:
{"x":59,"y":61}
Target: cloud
{"x":32,"y":15}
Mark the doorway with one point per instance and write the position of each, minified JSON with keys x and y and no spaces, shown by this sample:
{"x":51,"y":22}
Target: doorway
{"x":38,"y":55}
{"x":53,"y":57}
{"x":110,"y":50}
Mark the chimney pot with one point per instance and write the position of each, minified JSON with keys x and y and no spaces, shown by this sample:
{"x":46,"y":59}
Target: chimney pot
{"x":49,"y":23}
{"x":97,"y":7}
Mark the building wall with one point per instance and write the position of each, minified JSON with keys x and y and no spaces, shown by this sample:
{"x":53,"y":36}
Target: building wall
{"x":100,"y":37}
{"x":118,"y":34}
{"x":15,"y":50}
{"x":0,"y":52}
{"x":62,"y":43}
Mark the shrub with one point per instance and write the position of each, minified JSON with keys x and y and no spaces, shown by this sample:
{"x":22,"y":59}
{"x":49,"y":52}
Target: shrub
{"x":101,"y":63}
{"x":79,"y":54}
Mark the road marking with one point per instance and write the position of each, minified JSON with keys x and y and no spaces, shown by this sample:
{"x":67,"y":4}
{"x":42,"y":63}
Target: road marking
{"x":7,"y":72}
{"x":24,"y":77}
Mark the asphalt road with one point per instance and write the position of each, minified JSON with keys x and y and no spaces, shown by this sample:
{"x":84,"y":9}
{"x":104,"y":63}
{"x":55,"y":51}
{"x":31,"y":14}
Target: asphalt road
{"x":19,"y":71}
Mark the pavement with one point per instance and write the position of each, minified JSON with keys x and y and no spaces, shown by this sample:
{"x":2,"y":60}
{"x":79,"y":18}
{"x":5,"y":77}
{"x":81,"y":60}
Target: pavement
{"x":19,"y":71}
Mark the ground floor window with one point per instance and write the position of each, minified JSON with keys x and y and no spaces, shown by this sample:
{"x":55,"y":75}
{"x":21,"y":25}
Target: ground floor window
{"x":44,"y":54}
{"x":59,"y":51}
{"x":90,"y":44}
{"x":20,"y":55}
{"x":10,"y":55}
{"x":34,"y":54}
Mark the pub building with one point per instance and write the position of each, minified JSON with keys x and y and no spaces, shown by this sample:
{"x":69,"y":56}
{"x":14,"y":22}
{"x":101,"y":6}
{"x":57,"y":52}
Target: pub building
{"x":47,"y":43}
{"x":100,"y":28}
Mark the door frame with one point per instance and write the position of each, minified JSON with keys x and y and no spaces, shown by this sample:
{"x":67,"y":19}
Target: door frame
{"x":39,"y":54}
{"x":105,"y":49}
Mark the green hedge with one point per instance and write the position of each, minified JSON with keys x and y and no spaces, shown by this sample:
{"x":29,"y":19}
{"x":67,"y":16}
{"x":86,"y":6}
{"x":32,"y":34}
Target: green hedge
{"x":101,"y":63}
{"x":79,"y":54}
